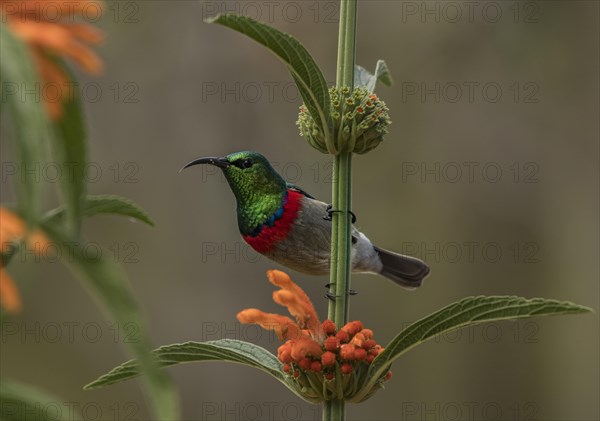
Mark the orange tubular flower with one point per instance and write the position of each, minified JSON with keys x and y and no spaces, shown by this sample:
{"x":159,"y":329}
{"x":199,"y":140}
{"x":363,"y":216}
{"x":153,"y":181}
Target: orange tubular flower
{"x":297,"y":302}
{"x":315,"y":356}
{"x":305,"y":347}
{"x":13,"y":230}
{"x":284,"y":327}
{"x":48,"y":27}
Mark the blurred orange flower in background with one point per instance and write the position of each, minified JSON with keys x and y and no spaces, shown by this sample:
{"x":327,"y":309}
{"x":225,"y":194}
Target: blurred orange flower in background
{"x":50,"y":28}
{"x":13,"y":230}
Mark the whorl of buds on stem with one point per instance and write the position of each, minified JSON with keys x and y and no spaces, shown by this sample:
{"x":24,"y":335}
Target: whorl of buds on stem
{"x":334,"y":367}
{"x":358,"y":122}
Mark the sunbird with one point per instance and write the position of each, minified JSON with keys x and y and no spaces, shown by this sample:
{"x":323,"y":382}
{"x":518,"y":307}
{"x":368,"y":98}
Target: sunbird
{"x":286,"y":224}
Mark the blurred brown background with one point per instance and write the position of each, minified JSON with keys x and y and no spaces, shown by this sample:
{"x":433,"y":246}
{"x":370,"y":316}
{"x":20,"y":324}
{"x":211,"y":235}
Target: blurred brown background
{"x":489,"y":173}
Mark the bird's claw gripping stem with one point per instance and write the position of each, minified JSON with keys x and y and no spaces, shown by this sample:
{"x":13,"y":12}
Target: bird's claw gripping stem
{"x":331,"y":296}
{"x":330,"y":212}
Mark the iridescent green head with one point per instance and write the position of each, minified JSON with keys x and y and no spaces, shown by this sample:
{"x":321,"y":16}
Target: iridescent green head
{"x":258,"y":188}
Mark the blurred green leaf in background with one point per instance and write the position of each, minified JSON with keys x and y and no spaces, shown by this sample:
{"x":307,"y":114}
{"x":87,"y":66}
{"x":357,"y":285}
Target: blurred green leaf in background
{"x":32,"y":57}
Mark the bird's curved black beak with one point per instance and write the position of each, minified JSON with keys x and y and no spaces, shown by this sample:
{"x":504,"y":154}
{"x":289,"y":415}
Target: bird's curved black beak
{"x":221,"y":162}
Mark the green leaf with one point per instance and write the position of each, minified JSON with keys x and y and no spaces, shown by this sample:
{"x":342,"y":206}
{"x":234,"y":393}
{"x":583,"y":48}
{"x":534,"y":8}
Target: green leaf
{"x":105,"y":204}
{"x":9,"y":250}
{"x":363,"y":77}
{"x":116,"y":205}
{"x":27,"y":117}
{"x":71,"y":152}
{"x":468,"y":311}
{"x":21,"y":402}
{"x":305,"y":72}
{"x":221,"y":350}
{"x":108,"y":282}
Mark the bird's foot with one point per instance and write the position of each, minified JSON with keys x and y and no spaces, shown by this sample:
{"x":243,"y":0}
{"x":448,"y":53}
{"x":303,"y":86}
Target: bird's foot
{"x":331,"y":296}
{"x":330,"y":212}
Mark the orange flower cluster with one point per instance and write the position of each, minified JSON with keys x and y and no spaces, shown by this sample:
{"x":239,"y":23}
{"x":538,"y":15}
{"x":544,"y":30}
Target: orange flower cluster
{"x":13,"y":230}
{"x":315,"y":354}
{"x":348,"y":348}
{"x":49,"y":28}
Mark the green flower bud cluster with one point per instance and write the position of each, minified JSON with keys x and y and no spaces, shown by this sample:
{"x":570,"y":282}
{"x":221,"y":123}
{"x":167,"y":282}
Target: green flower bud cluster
{"x":358,"y":121}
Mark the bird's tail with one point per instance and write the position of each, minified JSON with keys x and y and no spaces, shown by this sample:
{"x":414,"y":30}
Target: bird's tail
{"x":406,"y":271}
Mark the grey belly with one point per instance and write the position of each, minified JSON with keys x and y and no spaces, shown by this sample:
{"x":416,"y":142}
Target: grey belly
{"x":307,"y":247}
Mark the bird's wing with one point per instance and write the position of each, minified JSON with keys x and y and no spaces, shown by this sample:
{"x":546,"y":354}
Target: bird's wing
{"x":299,"y":190}
{"x":322,"y":208}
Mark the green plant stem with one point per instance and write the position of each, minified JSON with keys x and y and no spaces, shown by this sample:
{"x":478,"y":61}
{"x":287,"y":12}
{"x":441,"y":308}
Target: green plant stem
{"x":342,"y":197}
{"x":346,"y":44}
{"x":342,"y":177}
{"x":341,"y":245}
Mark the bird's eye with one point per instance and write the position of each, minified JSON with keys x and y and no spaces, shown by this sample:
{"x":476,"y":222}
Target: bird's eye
{"x":246,"y":163}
